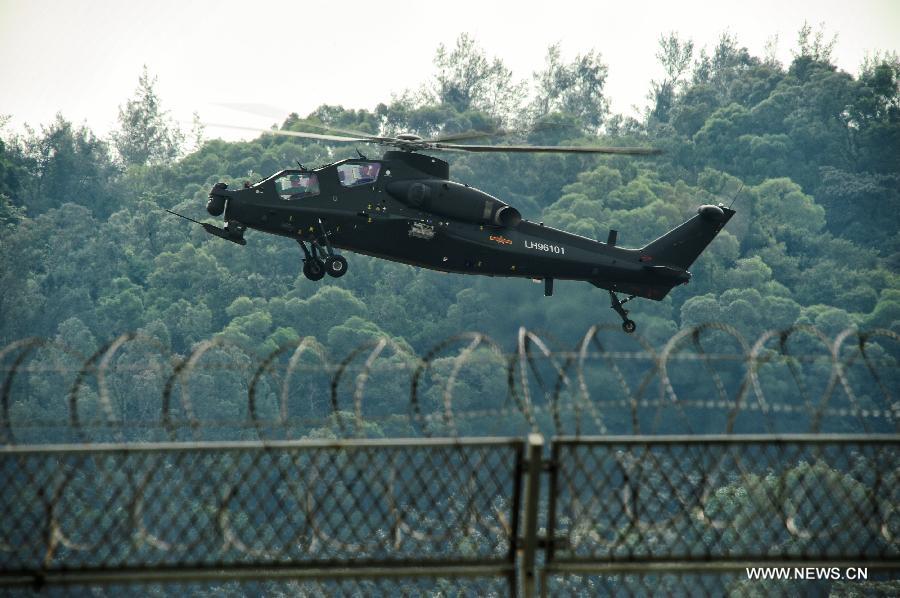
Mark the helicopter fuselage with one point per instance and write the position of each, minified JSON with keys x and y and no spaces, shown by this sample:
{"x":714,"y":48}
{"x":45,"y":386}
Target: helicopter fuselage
{"x":404,"y":208}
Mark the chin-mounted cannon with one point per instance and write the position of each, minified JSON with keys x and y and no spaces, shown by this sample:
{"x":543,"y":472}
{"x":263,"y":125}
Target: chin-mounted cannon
{"x":215,"y":205}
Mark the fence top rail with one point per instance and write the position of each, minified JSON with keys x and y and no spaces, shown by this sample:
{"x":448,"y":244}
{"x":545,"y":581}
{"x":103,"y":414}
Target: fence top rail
{"x":643,"y":439}
{"x":257,"y":445}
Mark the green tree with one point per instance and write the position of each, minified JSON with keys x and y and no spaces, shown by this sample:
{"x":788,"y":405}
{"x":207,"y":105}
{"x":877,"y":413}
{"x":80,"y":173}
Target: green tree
{"x":12,"y":170}
{"x":65,"y":164}
{"x":675,"y":56}
{"x":886,"y":313}
{"x":10,"y":214}
{"x":146,"y":135}
{"x":574,"y":89}
{"x":467,"y":79}
{"x":727,"y":64}
{"x":814,"y":45}
{"x":876,"y":113}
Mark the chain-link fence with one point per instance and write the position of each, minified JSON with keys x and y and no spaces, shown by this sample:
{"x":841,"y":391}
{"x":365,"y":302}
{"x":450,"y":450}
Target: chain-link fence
{"x":618,"y":515}
{"x":727,"y":581}
{"x":308,"y":509}
{"x":281,"y":585}
{"x":704,"y":514}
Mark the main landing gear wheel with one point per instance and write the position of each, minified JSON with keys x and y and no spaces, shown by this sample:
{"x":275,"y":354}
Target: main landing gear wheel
{"x":336,"y":265}
{"x":313,"y":269}
{"x":627,"y":325}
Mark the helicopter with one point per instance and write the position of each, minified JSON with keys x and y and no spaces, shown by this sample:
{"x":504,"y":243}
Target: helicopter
{"x":403,"y":207}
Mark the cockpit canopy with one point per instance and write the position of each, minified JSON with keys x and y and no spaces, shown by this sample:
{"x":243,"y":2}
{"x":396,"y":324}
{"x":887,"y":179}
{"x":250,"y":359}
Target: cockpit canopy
{"x":351,"y":174}
{"x":297,"y":185}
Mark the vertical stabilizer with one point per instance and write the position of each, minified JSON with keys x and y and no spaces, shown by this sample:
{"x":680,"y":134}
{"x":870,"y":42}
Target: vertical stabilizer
{"x":679,"y":247}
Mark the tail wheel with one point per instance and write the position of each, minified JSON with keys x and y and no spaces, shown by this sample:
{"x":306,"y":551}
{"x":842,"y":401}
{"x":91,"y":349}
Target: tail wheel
{"x":629,"y":326}
{"x":336,"y":265}
{"x":313,"y":269}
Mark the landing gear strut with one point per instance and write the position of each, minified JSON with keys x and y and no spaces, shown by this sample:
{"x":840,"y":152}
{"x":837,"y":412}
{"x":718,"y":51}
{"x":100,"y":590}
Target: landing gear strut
{"x":627,"y":325}
{"x":314,"y":267}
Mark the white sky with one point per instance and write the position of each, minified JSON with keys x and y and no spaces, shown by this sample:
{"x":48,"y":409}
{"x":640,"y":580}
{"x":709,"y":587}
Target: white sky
{"x":83,"y":58}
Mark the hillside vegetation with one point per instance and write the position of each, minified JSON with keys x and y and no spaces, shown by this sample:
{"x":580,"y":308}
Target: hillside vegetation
{"x":809,"y":154}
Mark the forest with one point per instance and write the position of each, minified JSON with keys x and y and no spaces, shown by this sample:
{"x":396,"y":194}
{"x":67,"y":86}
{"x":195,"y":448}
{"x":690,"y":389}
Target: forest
{"x":808,"y":153}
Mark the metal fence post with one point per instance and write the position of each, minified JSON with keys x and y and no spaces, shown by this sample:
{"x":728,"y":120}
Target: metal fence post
{"x":551,"y":514}
{"x":535,"y":449}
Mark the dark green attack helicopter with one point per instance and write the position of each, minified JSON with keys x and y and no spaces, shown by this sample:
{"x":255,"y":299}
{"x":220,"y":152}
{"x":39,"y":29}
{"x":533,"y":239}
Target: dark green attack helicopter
{"x":405,"y":208}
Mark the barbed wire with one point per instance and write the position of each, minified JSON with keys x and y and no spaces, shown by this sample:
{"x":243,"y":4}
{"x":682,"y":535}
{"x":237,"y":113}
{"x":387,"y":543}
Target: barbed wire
{"x":791,"y":380}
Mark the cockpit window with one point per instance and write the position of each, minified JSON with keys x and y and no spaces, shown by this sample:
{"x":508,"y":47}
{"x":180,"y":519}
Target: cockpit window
{"x":297,"y":185}
{"x":352,"y":174}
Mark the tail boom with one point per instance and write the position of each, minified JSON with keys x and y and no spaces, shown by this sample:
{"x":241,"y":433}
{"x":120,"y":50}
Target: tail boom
{"x":667,"y":259}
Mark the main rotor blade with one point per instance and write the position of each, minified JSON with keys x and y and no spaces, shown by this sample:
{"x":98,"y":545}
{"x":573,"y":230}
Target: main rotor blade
{"x":350,"y":132}
{"x":498,"y":133}
{"x":304,"y":134}
{"x":255,"y":108}
{"x":561,"y":149}
{"x":270,"y":111}
{"x":463,"y":136}
{"x":452,"y":147}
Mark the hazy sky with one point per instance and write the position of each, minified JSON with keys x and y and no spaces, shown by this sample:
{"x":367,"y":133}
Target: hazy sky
{"x":83,"y":58}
